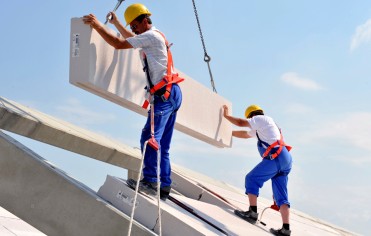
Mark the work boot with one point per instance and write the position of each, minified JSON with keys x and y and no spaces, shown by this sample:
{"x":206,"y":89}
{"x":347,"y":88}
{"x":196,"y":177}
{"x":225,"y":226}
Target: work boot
{"x":250,"y":216}
{"x":148,"y":187}
{"x":165,"y":192}
{"x":280,"y":232}
{"x":144,"y":186}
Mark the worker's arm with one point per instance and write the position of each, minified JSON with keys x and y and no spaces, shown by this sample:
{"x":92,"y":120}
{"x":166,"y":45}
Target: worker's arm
{"x":241,"y":134}
{"x":123,"y":31}
{"x":234,"y":120}
{"x":113,"y":40}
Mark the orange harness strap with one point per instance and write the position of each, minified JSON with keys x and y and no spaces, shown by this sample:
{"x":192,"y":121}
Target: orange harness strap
{"x":169,"y":78}
{"x":281,"y":144}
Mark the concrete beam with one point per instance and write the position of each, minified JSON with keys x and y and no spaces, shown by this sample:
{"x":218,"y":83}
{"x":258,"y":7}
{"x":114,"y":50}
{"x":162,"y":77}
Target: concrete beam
{"x":36,"y":125}
{"x":51,"y":201}
{"x":117,"y":76}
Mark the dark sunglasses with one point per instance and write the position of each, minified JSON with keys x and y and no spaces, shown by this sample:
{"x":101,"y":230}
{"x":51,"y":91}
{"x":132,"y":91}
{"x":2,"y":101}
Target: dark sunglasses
{"x":134,"y":27}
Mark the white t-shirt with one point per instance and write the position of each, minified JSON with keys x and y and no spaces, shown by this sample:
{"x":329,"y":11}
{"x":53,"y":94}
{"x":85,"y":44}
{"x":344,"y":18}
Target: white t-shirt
{"x":152,"y":44}
{"x":266,"y":128}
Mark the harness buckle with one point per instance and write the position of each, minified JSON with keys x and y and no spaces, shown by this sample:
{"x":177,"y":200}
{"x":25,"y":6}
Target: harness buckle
{"x":165,"y":95}
{"x":163,"y":98}
{"x":270,"y":157}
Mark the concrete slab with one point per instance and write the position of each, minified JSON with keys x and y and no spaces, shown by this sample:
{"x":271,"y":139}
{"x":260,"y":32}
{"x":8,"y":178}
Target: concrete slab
{"x":224,"y":218}
{"x":36,"y":125}
{"x":51,"y":201}
{"x":191,"y":189}
{"x":115,"y":191}
{"x":15,"y":226}
{"x":12,"y":225}
{"x":301,"y":223}
{"x":19,"y":173}
{"x":5,"y":232}
{"x":175,"y":221}
{"x":117,"y":75}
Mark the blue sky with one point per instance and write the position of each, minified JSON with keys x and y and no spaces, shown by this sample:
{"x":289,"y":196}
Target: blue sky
{"x":307,"y":64}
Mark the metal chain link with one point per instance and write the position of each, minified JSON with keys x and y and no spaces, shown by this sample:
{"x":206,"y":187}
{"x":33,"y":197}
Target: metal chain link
{"x":207,"y":58}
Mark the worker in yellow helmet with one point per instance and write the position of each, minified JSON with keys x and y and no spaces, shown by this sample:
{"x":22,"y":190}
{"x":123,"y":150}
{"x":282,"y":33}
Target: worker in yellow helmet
{"x":162,"y":88}
{"x":275,"y":165}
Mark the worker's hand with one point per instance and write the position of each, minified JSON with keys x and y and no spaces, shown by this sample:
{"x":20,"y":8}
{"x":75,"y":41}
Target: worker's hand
{"x":91,"y":20}
{"x":112,"y":17}
{"x":226,"y":111}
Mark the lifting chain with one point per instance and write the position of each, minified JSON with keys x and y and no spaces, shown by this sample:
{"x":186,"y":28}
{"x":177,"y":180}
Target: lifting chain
{"x":207,"y":58}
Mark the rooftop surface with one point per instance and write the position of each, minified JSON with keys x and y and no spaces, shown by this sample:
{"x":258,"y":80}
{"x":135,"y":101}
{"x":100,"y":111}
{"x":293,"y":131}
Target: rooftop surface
{"x":23,"y":171}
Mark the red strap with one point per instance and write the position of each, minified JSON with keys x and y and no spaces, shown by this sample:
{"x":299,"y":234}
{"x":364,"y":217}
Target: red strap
{"x":169,"y":78}
{"x":159,"y":85}
{"x":281,"y":144}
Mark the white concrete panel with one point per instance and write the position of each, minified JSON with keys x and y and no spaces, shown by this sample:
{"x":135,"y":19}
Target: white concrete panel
{"x":191,"y":189}
{"x":117,"y":75}
{"x":36,"y":125}
{"x":212,"y":191}
{"x":5,"y":232}
{"x":225,"y":218}
{"x":51,"y":201}
{"x":175,"y":221}
{"x":11,"y":225}
{"x":18,"y":227}
{"x":18,"y":174}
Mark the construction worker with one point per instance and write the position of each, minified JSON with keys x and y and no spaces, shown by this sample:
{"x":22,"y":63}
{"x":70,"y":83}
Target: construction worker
{"x":275,"y":165}
{"x":162,"y":84}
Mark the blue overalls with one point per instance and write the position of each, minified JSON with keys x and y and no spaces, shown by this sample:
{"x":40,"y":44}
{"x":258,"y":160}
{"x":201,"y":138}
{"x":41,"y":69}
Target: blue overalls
{"x":165,"y":116}
{"x":276,"y":169}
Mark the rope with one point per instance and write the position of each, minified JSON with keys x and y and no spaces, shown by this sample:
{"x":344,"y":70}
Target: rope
{"x":207,"y":58}
{"x":140,"y":174}
{"x":136,"y":189}
{"x":159,"y":191}
{"x":158,"y":165}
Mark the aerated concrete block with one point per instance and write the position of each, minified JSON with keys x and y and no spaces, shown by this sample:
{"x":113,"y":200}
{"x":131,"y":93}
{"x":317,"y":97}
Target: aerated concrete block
{"x":51,"y":201}
{"x":117,"y":75}
{"x":175,"y":221}
{"x":36,"y":125}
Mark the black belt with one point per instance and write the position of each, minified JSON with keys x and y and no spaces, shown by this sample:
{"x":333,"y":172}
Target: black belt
{"x":161,"y":91}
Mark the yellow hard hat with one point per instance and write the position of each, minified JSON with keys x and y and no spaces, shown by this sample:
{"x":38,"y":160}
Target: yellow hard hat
{"x":252,"y":108}
{"x":133,"y":11}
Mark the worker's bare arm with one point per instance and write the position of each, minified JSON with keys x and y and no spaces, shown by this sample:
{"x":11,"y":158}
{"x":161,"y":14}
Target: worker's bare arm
{"x":123,"y":31}
{"x":240,"y":134}
{"x":234,"y":120}
{"x":113,"y":40}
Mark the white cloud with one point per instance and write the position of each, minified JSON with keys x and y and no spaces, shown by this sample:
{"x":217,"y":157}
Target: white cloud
{"x":73,"y":111}
{"x":355,"y":128}
{"x":361,"y":36}
{"x":297,"y":108}
{"x":295,"y":80}
{"x":331,"y":197}
{"x":343,"y":138}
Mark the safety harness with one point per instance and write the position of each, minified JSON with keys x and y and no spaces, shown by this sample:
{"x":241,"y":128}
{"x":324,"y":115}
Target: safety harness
{"x":272,"y":151}
{"x":169,"y":79}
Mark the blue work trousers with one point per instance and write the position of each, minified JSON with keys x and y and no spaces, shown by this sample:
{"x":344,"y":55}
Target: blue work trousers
{"x":277,"y":170}
{"x":164,"y":121}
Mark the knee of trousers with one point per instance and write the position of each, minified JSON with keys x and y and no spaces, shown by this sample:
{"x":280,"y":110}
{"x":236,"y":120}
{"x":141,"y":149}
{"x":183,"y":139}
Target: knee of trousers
{"x":251,"y":185}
